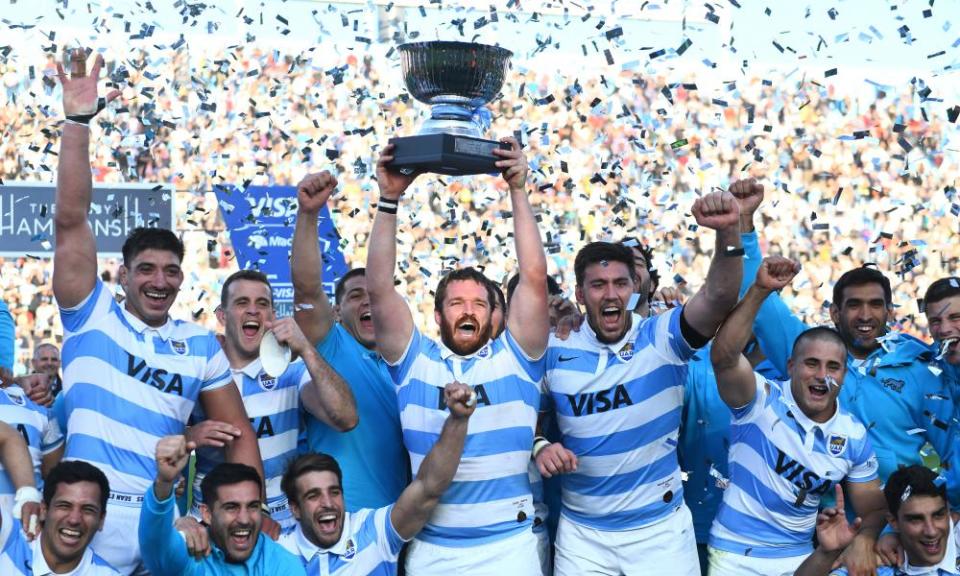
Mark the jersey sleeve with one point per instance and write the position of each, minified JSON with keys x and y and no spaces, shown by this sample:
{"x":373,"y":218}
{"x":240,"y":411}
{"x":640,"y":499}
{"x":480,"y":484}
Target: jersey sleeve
{"x":749,"y":410}
{"x":52,"y":437}
{"x":668,"y":336}
{"x":399,"y":369}
{"x":533,"y":368}
{"x":95,"y":305}
{"x":216,"y":372}
{"x":388,"y":540}
{"x":865,"y":465}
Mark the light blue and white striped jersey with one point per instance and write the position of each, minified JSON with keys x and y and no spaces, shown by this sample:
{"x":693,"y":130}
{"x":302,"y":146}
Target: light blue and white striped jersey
{"x":22,"y":558}
{"x":272,"y":405}
{"x":618,"y":408}
{"x":42,"y":435}
{"x":489,"y":498}
{"x":37,"y":426}
{"x":126,"y":385}
{"x":781,"y":464}
{"x":368,"y":546}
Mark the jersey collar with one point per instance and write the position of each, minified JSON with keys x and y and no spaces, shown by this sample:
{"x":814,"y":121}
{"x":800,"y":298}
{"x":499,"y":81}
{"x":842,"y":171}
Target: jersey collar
{"x":251,"y":370}
{"x":164,"y":332}
{"x":484,"y":352}
{"x":40,"y":567}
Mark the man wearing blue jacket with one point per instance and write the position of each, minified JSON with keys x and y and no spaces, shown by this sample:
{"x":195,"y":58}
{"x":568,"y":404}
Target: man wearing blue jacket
{"x":231,"y":510}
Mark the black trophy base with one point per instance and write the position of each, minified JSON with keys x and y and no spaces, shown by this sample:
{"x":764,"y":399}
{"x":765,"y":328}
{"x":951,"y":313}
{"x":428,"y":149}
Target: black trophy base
{"x":448,"y":154}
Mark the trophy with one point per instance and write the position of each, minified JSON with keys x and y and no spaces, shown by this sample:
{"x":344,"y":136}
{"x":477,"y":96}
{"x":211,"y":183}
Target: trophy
{"x":456,"y":79}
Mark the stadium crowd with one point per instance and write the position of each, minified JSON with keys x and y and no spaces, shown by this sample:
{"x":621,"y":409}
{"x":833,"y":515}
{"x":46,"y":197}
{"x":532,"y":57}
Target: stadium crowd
{"x":755,"y":211}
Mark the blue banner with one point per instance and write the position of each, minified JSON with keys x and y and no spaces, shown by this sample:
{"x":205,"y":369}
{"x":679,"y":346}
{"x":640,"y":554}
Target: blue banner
{"x":260,"y":221}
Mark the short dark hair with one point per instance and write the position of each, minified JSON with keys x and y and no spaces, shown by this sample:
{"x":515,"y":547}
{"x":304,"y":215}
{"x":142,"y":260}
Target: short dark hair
{"x":553,"y":288}
{"x":920,"y":480}
{"x":151,"y":238}
{"x":498,"y":293}
{"x":595,"y":252}
{"x":225,"y":474}
{"x":818,"y":333}
{"x":309,"y":462}
{"x":941,"y":290}
{"x":459,"y":275}
{"x":859,"y":277}
{"x":71,"y":472}
{"x":342,"y":283}
{"x":647,"y":252}
{"x":253,"y":275}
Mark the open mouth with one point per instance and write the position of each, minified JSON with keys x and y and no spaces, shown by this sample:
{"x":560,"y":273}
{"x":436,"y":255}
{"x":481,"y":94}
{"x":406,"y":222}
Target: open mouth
{"x":366,"y":317}
{"x":467,"y":328}
{"x":70,"y":537}
{"x":611,"y":314}
{"x":327,"y":522}
{"x":157,"y":295}
{"x":948,"y":347}
{"x":864,"y":330}
{"x":819,"y":391}
{"x":250,"y":328}
{"x":241,"y":537}
{"x":931,"y":547}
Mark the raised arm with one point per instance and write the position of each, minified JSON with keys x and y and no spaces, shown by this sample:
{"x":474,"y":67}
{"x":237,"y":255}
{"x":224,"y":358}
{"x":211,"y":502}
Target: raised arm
{"x":529,"y":318}
{"x":735,"y":379}
{"x":327,"y":397}
{"x":312,"y":309}
{"x":833,"y":535}
{"x":418,"y":500}
{"x":75,"y":253}
{"x":392,"y":320}
{"x":870,"y":506}
{"x":711,"y":304}
{"x":164,"y":551}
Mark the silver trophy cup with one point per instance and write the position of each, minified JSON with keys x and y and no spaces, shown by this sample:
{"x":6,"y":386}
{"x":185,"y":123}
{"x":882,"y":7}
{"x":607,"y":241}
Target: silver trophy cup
{"x":457,"y":80}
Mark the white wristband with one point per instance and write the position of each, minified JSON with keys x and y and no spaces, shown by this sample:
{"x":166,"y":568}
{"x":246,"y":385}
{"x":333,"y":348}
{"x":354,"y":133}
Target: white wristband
{"x":24,"y":495}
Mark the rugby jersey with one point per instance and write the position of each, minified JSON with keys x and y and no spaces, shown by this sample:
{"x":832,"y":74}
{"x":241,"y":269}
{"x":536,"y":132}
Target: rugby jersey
{"x":37,"y":426}
{"x":369,"y":546}
{"x":272,"y":405}
{"x":618,"y":408}
{"x":126,"y":385}
{"x":781,"y":464}
{"x":42,"y":435}
{"x":22,"y":558}
{"x":489,"y":498}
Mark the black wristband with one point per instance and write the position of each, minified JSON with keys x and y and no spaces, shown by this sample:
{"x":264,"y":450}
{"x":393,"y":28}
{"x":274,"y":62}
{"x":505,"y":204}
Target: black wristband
{"x":387,"y":205}
{"x":86,"y":118}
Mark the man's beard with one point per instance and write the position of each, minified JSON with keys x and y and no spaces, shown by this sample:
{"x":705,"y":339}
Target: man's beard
{"x":447,"y":330}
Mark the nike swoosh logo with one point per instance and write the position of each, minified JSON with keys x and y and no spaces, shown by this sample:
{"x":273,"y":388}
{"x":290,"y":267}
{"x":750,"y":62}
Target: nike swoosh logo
{"x":567,"y":358}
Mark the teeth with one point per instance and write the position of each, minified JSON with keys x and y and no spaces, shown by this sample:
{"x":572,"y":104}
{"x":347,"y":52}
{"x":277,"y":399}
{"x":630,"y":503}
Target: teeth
{"x":242,"y":533}
{"x":365,"y":316}
{"x":250,"y":325}
{"x":71,"y":533}
{"x":157,"y":294}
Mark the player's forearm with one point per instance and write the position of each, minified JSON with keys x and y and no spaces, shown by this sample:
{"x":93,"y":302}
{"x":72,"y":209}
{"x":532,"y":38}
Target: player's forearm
{"x":329,"y":398}
{"x":306,"y":266}
{"x":722,"y":285}
{"x":817,"y":564}
{"x":15,"y":457}
{"x":381,"y":256}
{"x":439,"y":467}
{"x":74,"y":179}
{"x":531,"y":260}
{"x":734,"y":333}
{"x":245,"y":450}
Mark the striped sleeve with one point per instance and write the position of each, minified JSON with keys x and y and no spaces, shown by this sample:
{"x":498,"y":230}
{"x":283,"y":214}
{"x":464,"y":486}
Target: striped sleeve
{"x":216,"y":373}
{"x":535,"y":369}
{"x":399,"y":369}
{"x":865,"y":464}
{"x":52,"y":434}
{"x":93,"y":306}
{"x":752,"y":408}
{"x":389,"y":541}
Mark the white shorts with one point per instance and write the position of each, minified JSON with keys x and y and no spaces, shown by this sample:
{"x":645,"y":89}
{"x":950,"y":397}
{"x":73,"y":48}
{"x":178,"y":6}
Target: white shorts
{"x":119,"y":541}
{"x":513,"y":556}
{"x":543,"y":551}
{"x":724,"y":563}
{"x":668,"y":548}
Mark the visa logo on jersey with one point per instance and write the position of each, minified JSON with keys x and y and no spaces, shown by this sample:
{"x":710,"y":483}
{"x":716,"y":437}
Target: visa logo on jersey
{"x":600,"y":401}
{"x":808,"y":481}
{"x":166,"y":382}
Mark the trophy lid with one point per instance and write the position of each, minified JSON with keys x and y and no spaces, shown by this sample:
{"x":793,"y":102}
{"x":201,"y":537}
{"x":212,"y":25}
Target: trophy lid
{"x":463,"y":70}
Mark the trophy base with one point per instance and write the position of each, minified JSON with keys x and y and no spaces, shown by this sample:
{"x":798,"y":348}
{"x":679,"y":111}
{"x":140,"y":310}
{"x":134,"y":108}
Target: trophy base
{"x":443,"y":153}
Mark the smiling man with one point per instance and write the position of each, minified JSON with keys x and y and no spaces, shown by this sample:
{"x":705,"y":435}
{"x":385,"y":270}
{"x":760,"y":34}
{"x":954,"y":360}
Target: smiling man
{"x":617,"y":386}
{"x":482,"y":525}
{"x":231,"y":511}
{"x":920,"y":515}
{"x":73,"y":511}
{"x":332,"y":541}
{"x":791,"y":442}
{"x":131,"y":374}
